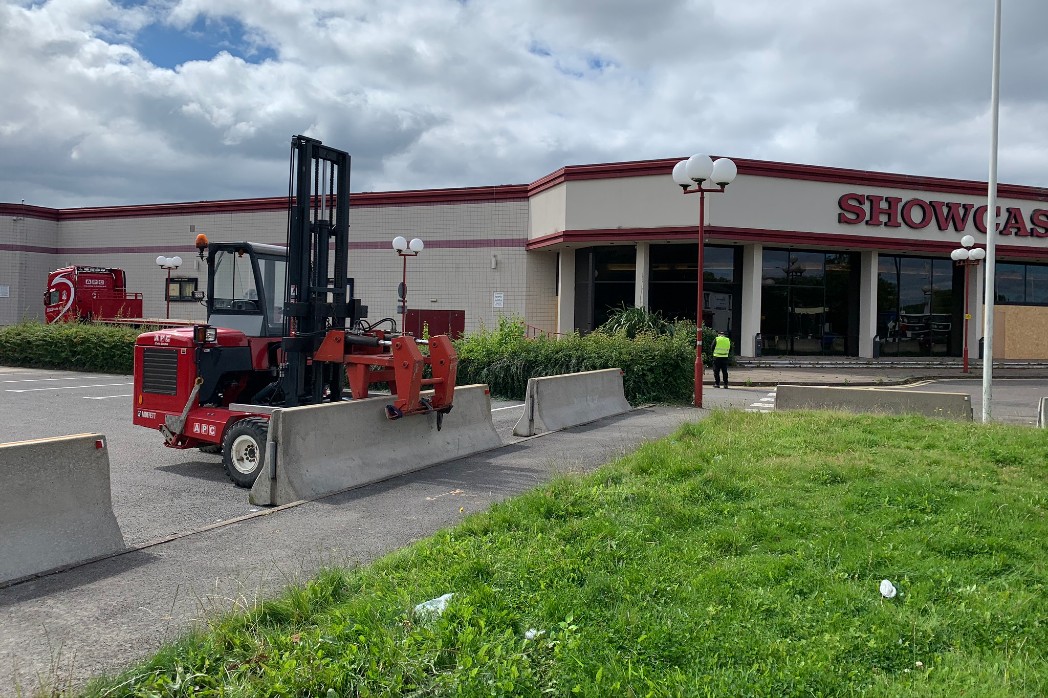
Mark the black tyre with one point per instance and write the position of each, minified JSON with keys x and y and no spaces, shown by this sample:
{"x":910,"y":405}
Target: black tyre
{"x":244,"y":450}
{"x":210,"y":448}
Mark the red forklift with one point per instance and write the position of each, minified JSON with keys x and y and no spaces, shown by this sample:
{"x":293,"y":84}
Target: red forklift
{"x":284,"y":330}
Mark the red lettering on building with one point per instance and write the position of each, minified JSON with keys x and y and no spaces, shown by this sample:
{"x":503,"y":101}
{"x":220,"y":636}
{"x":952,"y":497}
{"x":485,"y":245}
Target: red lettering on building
{"x":951,"y":214}
{"x":917,"y":214}
{"x":1015,"y":224}
{"x":883,"y":206}
{"x":853,"y":209}
{"x":926,"y":213}
{"x":1039,"y":223}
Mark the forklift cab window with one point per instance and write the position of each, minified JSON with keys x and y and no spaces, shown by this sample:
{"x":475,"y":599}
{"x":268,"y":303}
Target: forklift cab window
{"x":235,"y":283}
{"x":273,"y":271}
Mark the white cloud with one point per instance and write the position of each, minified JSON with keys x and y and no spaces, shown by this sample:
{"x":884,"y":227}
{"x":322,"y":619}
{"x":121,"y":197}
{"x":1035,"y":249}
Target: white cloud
{"x":449,"y":93}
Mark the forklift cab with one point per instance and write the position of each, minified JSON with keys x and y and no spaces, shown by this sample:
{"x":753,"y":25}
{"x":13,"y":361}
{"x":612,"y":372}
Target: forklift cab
{"x":245,"y":287}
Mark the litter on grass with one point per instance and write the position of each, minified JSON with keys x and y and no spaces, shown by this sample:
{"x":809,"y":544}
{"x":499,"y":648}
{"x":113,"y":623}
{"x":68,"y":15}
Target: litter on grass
{"x":433,"y":608}
{"x":888,"y":589}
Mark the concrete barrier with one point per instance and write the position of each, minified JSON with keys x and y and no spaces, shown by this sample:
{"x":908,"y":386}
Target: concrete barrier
{"x":1042,"y":412}
{"x":320,"y":449}
{"x":875,"y":400}
{"x":557,"y":402}
{"x":56,"y":508}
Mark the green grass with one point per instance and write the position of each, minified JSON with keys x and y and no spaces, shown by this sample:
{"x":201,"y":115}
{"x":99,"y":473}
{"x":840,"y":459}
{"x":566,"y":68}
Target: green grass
{"x":740,"y":556}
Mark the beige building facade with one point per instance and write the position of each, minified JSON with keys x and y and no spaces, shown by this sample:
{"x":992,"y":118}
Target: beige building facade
{"x":798,"y":259}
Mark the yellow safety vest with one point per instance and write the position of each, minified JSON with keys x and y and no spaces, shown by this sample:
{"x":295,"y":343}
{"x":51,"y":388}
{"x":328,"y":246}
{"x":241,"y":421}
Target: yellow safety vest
{"x":721,"y":346}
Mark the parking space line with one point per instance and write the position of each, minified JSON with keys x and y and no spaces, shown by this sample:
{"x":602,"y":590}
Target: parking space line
{"x":63,"y":387}
{"x":511,"y":407}
{"x":41,"y":380}
{"x":104,"y":397}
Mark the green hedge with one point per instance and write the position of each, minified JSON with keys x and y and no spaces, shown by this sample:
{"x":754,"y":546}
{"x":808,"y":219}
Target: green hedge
{"x":659,"y":368}
{"x":71,"y":346}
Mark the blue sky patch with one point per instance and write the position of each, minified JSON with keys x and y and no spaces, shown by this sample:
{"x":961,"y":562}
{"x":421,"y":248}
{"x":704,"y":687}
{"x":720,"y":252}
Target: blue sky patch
{"x":166,"y":46}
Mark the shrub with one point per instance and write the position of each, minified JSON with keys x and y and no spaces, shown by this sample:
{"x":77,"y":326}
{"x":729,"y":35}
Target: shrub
{"x":70,"y":346}
{"x":658,"y":367}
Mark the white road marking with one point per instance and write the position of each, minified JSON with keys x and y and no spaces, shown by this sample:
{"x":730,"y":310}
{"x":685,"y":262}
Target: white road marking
{"x":764,"y":404}
{"x":511,"y":407}
{"x":104,"y":397}
{"x":64,"y":387}
{"x":40,"y":380}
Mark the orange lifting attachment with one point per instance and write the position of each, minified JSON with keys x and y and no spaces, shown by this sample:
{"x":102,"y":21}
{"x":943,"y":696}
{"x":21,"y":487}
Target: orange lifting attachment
{"x":398,"y":362}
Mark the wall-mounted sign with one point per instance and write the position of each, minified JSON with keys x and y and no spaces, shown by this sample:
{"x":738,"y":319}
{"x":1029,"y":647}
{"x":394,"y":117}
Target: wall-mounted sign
{"x":498,"y":300}
{"x":893,"y":212}
{"x":5,"y":291}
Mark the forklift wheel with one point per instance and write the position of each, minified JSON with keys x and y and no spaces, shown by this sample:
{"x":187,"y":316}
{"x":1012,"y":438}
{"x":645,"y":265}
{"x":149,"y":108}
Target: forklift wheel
{"x":244,"y":450}
{"x":211,"y":448}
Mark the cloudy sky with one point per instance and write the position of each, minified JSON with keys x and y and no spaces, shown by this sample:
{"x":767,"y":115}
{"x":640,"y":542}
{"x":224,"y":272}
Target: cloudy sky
{"x":123,"y":101}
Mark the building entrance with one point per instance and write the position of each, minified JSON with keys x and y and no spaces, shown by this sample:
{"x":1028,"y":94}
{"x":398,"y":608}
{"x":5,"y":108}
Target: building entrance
{"x":809,"y":303}
{"x":918,"y":314}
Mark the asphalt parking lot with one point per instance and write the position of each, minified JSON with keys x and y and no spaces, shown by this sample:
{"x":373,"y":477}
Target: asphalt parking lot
{"x":157,"y":491}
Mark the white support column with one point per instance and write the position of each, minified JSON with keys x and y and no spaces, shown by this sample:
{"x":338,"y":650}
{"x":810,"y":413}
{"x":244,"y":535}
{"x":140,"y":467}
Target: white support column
{"x":976,"y":291}
{"x":750,"y":322}
{"x":867,"y":302}
{"x":566,"y":293}
{"x":640,"y":296}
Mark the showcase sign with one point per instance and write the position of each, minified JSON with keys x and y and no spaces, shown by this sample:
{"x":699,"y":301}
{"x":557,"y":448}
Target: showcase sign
{"x":894,"y":212}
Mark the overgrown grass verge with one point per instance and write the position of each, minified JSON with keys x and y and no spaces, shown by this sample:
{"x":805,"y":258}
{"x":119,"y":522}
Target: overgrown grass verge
{"x":70,"y":346}
{"x":740,"y":556}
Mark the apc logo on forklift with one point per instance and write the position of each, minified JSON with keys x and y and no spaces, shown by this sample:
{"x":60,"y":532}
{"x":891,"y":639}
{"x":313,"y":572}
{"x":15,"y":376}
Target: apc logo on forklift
{"x":162,"y":339}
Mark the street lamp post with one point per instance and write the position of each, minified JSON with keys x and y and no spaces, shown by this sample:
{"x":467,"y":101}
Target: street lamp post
{"x":690,"y":175}
{"x":168,"y":263}
{"x":405,"y":249}
{"x":965,"y":256}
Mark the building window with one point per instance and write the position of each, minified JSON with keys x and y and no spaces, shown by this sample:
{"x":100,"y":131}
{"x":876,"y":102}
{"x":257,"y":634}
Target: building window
{"x":181,"y":289}
{"x":918,"y":312}
{"x":1021,"y":284}
{"x":809,"y":302}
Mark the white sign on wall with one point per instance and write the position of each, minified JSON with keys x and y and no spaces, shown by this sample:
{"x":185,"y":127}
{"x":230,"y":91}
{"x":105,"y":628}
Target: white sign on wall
{"x":5,"y":291}
{"x":498,"y":300}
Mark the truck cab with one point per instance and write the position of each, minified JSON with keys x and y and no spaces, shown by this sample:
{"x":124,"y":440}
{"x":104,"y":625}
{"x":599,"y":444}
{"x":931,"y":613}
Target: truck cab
{"x":89,"y":293}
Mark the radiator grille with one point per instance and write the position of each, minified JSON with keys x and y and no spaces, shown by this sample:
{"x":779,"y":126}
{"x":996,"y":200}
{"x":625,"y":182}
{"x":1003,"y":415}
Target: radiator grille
{"x":160,"y":371}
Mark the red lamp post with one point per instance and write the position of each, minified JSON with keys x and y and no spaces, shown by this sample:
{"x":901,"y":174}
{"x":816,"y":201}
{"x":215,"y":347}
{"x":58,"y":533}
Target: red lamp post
{"x":690,"y":175}
{"x":405,"y":249}
{"x":966,"y":257}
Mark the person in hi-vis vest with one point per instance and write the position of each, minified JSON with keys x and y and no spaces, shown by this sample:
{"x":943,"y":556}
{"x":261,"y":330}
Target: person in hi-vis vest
{"x":721,"y":348}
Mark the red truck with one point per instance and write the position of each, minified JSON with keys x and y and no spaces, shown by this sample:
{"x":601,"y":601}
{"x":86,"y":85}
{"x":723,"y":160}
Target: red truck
{"x":89,"y":293}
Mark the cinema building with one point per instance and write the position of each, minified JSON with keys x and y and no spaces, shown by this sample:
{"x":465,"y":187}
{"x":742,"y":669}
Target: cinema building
{"x":799,"y":260}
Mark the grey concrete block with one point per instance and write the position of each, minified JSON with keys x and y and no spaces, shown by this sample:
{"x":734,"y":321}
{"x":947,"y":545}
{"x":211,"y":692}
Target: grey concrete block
{"x":874,"y":400}
{"x":320,"y":449}
{"x":56,"y":507}
{"x":558,"y":402}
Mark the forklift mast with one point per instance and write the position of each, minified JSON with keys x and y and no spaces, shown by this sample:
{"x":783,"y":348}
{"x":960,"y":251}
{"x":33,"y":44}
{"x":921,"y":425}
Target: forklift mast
{"x":315,"y":301}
